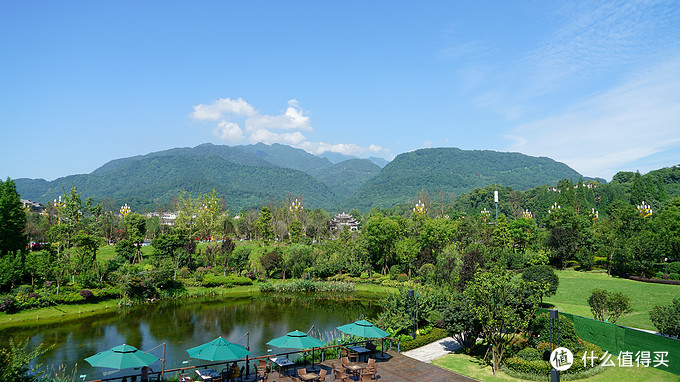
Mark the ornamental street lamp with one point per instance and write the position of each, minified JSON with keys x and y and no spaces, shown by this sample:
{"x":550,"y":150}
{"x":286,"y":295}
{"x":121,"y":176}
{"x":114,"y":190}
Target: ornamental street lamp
{"x":57,"y":206}
{"x":420,"y":207}
{"x":485,"y":214}
{"x":527,"y":214}
{"x":644,"y":209}
{"x":295,"y":206}
{"x":594,"y":215}
{"x":124,"y":210}
{"x":554,"y":207}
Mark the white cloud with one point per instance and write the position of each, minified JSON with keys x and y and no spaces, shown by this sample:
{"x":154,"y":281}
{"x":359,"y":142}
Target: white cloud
{"x":292,"y":119}
{"x":263,"y":128}
{"x":216,"y":110}
{"x":228,"y":131}
{"x":599,"y":136}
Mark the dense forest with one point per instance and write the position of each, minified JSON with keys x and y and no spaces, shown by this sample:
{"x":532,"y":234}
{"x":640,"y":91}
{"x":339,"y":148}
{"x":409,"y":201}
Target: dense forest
{"x":254,"y":175}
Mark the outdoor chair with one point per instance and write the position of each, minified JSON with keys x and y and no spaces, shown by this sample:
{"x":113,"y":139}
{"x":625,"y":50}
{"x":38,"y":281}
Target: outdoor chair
{"x":341,"y":375}
{"x":265,"y":365}
{"x":371,"y":346}
{"x":322,"y":375}
{"x":371,"y":370}
{"x":294,"y":378}
{"x":262,"y":373}
{"x":301,"y":371}
{"x":365,"y":377}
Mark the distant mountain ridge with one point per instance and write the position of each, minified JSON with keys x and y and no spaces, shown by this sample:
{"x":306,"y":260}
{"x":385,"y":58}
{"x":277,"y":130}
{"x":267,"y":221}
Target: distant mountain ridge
{"x":253,"y":175}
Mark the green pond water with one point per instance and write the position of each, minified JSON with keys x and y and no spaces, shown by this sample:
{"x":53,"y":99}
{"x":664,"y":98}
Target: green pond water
{"x":183,"y":324}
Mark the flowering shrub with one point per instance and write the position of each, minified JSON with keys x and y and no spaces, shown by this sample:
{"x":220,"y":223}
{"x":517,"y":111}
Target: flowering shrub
{"x":8,"y":304}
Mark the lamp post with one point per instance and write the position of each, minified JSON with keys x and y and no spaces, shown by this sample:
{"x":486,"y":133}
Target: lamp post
{"x":485,"y":214}
{"x":594,"y":215}
{"x":527,"y":214}
{"x":295,"y":206}
{"x":644,"y":209}
{"x":420,"y":207}
{"x":57,"y":206}
{"x":124,"y":210}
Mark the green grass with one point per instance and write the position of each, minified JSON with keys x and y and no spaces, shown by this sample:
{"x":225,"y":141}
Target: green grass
{"x":575,"y":288}
{"x":473,"y":367}
{"x":108,"y":252}
{"x":55,"y":313}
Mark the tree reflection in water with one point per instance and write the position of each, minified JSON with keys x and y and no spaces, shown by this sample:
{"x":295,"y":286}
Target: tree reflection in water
{"x":183,"y":324}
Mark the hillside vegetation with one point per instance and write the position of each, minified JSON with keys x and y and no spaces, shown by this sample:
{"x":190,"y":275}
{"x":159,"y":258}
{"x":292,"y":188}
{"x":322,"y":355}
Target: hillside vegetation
{"x":253,"y":175}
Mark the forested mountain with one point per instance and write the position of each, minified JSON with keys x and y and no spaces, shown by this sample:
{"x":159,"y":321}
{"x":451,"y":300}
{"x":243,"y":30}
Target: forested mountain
{"x":455,"y":171}
{"x":286,"y":156}
{"x":252,"y":175}
{"x":156,"y":180}
{"x":346,"y":177}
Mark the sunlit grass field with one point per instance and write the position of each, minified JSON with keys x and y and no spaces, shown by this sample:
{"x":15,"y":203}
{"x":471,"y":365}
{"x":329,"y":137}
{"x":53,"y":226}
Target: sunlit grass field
{"x":473,"y":367}
{"x":575,"y":288}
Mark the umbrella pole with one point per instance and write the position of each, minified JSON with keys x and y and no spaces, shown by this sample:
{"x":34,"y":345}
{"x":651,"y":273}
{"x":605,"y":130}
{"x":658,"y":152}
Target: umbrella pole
{"x":163,"y":364}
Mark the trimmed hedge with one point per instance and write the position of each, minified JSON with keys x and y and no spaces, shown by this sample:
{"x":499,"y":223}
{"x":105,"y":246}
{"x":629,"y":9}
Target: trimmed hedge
{"x":435,"y":335}
{"x":533,"y":361}
{"x":229,"y":281}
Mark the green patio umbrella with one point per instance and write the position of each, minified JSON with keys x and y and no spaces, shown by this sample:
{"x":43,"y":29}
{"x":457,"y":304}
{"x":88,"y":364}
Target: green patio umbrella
{"x":366,"y":329}
{"x":218,"y":349}
{"x":297,"y":340}
{"x":121,"y":357}
{"x":363,"y":328}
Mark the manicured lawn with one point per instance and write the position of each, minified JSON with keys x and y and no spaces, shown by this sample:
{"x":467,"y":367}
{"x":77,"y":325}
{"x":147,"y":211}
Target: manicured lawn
{"x":575,"y":288}
{"x":108,"y":252}
{"x":472,"y":367}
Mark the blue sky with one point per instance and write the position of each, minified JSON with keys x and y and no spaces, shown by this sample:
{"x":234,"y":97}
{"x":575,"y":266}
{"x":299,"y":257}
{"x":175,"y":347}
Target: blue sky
{"x":595,"y":85}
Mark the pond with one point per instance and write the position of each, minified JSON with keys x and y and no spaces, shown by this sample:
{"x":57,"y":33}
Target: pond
{"x":183,"y":324}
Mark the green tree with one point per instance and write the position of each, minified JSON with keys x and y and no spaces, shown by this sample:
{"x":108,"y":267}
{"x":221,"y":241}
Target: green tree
{"x":501,"y":313}
{"x":379,"y":235}
{"x":12,"y":220}
{"x":136,"y":231}
{"x":295,"y":231}
{"x":608,"y":306}
{"x":264,"y":227}
{"x":666,"y":318}
{"x":461,"y":322}
{"x":544,"y":275}
{"x":15,"y":362}
{"x":407,"y":250}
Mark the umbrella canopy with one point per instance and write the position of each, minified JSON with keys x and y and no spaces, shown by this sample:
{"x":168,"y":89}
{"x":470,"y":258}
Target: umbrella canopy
{"x":121,"y":357}
{"x":218,"y":349}
{"x":296,"y":340}
{"x":363,"y":328}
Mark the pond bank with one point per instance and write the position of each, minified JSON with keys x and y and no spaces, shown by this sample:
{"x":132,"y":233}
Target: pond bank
{"x":62,"y":313}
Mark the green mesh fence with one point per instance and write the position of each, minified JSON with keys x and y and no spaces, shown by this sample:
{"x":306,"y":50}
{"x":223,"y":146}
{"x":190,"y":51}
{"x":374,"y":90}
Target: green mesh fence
{"x":618,"y":339}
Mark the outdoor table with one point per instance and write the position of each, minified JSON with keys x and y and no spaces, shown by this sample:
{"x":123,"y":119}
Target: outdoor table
{"x":207,"y":374}
{"x":282,"y":363}
{"x":355,"y":369}
{"x":309,"y":377}
{"x":361,"y":351}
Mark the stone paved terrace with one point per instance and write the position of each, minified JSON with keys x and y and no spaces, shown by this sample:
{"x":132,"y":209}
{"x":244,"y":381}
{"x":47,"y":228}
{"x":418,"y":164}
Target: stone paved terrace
{"x":398,"y":368}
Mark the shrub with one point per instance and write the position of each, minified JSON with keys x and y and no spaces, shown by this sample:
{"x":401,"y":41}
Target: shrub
{"x":8,"y":304}
{"x":608,"y":306}
{"x":211,"y":280}
{"x":402,"y":277}
{"x":86,"y":294}
{"x":666,"y":319}
{"x":395,"y":270}
{"x":539,"y":330}
{"x":674,"y":267}
{"x":530,"y":354}
{"x":542,"y":274}
{"x":674,"y":276}
{"x":421,"y":340}
{"x":364,"y":275}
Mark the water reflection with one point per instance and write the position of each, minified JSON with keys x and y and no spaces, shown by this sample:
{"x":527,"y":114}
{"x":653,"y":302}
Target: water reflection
{"x":187,"y":323}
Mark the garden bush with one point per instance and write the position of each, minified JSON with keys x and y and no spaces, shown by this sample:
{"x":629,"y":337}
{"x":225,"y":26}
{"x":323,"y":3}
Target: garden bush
{"x":674,"y":276}
{"x":674,"y":267}
{"x":530,"y":354}
{"x":421,"y":340}
{"x":211,"y":280}
{"x":402,"y":277}
{"x":86,"y":294}
{"x":666,"y":318}
{"x":539,"y":331}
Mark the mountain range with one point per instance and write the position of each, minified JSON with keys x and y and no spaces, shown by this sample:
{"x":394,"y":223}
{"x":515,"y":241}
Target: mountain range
{"x":250,"y":176}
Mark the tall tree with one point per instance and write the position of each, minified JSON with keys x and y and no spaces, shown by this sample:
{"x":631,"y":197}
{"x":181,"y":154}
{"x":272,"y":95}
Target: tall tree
{"x":12,"y":219}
